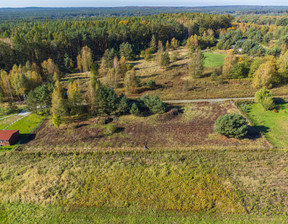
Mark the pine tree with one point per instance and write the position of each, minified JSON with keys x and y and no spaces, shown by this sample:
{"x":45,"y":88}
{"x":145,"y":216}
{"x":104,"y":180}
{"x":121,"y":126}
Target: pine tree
{"x":95,"y":69}
{"x":106,"y":101}
{"x":126,"y":51}
{"x":68,"y":62}
{"x":135,"y":110}
{"x":153,"y":44}
{"x":123,"y":106}
{"x":196,"y":64}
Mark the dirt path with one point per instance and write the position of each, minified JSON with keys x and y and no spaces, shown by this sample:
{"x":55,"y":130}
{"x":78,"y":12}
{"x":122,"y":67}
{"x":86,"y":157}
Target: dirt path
{"x":208,"y":100}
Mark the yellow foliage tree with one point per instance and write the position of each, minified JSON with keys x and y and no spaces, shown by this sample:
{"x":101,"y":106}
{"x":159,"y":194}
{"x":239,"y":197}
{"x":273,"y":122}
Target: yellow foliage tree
{"x":192,"y":42}
{"x":130,"y":81}
{"x":266,"y":75}
{"x":49,"y":67}
{"x":228,"y":63}
{"x":74,"y":97}
{"x":84,"y":59}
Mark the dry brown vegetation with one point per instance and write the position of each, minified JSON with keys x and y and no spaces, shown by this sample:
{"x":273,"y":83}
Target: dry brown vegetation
{"x":191,"y":126}
{"x":171,"y":83}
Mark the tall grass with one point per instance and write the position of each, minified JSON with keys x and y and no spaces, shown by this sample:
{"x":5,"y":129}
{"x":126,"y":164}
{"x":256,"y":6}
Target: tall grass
{"x":215,"y":181}
{"x":145,"y":181}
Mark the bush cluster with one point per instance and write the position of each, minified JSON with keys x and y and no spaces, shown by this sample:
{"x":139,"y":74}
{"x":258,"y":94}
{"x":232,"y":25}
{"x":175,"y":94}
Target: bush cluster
{"x":231,"y":125}
{"x":264,"y":97}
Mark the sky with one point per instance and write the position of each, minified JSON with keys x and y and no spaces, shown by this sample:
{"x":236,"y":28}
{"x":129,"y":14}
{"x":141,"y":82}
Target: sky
{"x":115,"y":3}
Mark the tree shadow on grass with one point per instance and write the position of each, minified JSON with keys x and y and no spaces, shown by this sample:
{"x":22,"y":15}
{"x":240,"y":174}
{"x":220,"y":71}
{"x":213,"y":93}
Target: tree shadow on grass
{"x":254,"y":132}
{"x":280,"y":103}
{"x":119,"y":130}
{"x":148,"y":76}
{"x":145,"y":89}
{"x":26,"y":138}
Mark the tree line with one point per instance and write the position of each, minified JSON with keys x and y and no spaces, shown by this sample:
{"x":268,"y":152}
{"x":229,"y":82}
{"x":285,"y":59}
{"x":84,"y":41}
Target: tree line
{"x":62,"y":40}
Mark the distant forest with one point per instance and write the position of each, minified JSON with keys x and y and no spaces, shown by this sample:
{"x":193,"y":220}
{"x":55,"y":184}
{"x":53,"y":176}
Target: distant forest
{"x":59,"y":13}
{"x":63,"y":39}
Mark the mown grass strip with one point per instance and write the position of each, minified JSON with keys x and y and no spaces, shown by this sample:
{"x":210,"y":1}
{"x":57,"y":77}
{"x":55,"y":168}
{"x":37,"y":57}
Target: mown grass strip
{"x":213,"y":60}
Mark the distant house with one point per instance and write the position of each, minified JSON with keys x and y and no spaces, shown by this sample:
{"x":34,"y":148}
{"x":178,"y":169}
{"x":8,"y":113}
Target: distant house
{"x":9,"y":137}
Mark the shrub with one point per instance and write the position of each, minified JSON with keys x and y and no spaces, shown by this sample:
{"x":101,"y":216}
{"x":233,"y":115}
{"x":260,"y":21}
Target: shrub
{"x":110,"y":129}
{"x":151,"y":83}
{"x":56,"y":120}
{"x":231,"y":125}
{"x":154,"y":104}
{"x":164,"y":59}
{"x":262,"y":94}
{"x":135,"y":110}
{"x":268,"y":103}
{"x":264,"y":97}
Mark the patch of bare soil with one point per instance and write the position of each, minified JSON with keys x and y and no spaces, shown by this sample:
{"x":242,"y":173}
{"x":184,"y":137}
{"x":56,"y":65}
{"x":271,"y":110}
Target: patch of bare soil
{"x":163,"y":131}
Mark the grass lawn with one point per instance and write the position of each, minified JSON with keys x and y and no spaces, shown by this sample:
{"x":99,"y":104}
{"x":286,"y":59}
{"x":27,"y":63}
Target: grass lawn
{"x":26,"y":124}
{"x":213,"y":60}
{"x":7,"y":121}
{"x":29,"y":213}
{"x":274,"y":125}
{"x":222,"y":186}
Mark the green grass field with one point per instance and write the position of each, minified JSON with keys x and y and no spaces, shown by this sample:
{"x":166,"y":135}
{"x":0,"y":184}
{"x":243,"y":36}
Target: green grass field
{"x":274,"y":125}
{"x":213,"y":60}
{"x":29,"y":213}
{"x":7,"y":121}
{"x":151,"y":187}
{"x":26,"y":124}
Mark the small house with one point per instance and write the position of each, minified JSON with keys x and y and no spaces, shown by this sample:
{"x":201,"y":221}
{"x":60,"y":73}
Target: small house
{"x":9,"y":137}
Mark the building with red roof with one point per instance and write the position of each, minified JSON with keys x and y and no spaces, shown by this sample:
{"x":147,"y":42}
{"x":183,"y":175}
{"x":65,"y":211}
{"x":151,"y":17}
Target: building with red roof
{"x":9,"y":137}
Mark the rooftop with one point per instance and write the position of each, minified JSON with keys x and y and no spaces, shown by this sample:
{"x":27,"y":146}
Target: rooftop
{"x":6,"y":134}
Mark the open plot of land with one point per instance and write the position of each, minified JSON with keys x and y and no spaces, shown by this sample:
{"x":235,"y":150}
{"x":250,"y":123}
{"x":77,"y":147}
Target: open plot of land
{"x":233,"y":186}
{"x":193,"y":126}
{"x":274,"y":125}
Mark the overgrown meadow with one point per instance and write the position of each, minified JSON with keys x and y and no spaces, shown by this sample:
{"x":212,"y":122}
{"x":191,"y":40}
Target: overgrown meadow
{"x":143,"y":184}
